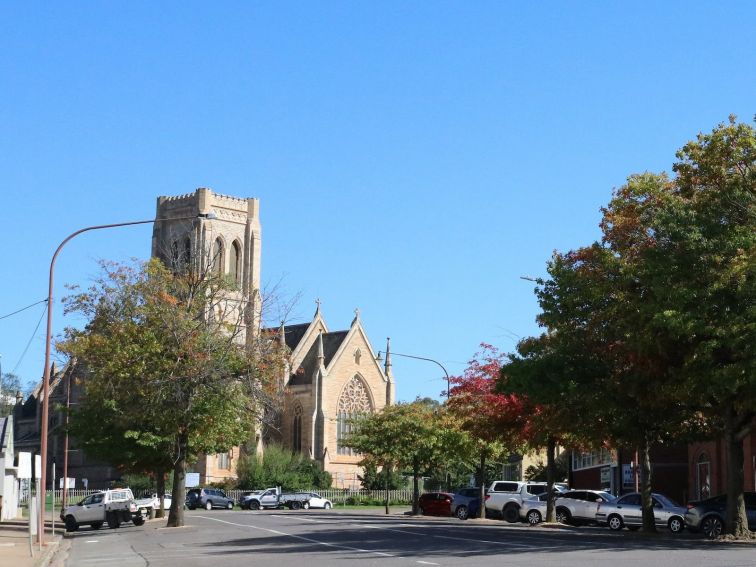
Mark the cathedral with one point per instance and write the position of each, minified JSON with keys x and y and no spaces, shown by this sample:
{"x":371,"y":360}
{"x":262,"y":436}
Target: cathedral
{"x":329,"y":376}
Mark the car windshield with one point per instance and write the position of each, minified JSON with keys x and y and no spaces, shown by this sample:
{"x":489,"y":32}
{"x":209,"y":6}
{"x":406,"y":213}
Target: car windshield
{"x":608,"y":497}
{"x":666,"y":501}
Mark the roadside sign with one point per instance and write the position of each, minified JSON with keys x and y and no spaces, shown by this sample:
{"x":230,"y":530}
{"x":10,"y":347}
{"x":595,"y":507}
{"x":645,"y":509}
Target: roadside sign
{"x":192,"y":479}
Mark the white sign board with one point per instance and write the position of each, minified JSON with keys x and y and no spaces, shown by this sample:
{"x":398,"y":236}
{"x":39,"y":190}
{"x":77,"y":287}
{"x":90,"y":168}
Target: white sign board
{"x":24,"y":465}
{"x":71,"y":483}
{"x":37,"y":466}
{"x":606,"y":475}
{"x":192,"y":479}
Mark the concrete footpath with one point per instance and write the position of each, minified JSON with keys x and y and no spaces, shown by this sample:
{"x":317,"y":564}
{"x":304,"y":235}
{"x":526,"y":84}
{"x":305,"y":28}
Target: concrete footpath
{"x":14,"y":544}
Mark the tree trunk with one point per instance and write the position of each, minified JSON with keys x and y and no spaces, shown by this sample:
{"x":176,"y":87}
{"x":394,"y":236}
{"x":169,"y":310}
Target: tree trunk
{"x":647,"y":506}
{"x":482,"y":478}
{"x":386,"y":484}
{"x":415,"y":486}
{"x":550,"y":474}
{"x":176,"y":515}
{"x":160,"y":513}
{"x":736,"y":523}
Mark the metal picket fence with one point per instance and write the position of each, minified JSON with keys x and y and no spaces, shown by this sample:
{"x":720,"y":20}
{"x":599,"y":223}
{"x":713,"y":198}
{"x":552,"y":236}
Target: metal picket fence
{"x":339,"y":497}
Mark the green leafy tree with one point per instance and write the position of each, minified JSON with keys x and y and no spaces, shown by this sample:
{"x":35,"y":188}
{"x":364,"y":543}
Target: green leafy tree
{"x":166,"y":373}
{"x":278,"y":466}
{"x":550,"y":374}
{"x":9,"y":385}
{"x":374,"y":479}
{"x":414,"y":436}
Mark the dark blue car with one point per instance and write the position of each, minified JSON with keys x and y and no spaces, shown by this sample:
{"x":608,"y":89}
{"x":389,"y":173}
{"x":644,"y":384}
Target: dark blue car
{"x":466,"y":503}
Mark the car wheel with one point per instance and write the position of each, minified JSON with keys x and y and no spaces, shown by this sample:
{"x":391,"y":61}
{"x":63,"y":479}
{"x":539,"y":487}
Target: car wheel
{"x":208,"y":505}
{"x":229,"y":505}
{"x":533,"y":517}
{"x":615,"y":522}
{"x":327,"y":506}
{"x":462,"y":512}
{"x":563,"y":516}
{"x":306,"y":505}
{"x":96,"y":525}
{"x":71,"y":524}
{"x":295,"y":505}
{"x":254,"y":505}
{"x":676,"y":524}
{"x":138,"y":520}
{"x":712,"y":527}
{"x":511,"y":514}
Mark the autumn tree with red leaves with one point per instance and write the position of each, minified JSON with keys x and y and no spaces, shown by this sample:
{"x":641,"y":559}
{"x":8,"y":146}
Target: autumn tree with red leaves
{"x":496,"y":422}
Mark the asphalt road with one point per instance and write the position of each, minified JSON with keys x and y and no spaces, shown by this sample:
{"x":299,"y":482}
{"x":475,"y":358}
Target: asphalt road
{"x":316,"y":538}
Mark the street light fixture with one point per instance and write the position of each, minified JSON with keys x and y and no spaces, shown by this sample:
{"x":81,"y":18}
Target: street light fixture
{"x":46,"y":374}
{"x":448,"y":387}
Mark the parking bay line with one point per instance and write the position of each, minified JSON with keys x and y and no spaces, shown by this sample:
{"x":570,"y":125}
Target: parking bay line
{"x":508,"y":545}
{"x":307,"y":539}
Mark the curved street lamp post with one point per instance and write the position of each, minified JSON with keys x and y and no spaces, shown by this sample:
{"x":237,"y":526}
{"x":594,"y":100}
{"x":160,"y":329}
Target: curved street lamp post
{"x":46,"y":374}
{"x":392,"y":353}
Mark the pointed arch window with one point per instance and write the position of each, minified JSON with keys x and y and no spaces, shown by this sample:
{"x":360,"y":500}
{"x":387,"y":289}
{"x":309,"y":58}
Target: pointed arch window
{"x":353,"y":402}
{"x":187,"y":254}
{"x":296,"y":429}
{"x":235,"y":262}
{"x":218,"y":257}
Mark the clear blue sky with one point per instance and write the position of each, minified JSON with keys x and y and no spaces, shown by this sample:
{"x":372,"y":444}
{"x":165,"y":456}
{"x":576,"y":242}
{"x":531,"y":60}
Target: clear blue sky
{"x":412,"y":159}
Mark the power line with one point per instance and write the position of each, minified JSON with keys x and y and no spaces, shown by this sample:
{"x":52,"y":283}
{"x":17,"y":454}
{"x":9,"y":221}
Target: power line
{"x":23,"y":309}
{"x":23,"y":354}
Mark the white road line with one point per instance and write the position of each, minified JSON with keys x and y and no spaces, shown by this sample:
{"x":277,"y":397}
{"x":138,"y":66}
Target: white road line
{"x":300,"y":519}
{"x":428,"y":563}
{"x":93,"y":541}
{"x":307,"y":539}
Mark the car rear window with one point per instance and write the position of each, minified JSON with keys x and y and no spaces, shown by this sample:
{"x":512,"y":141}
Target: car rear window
{"x":537,"y":488}
{"x":505,"y":487}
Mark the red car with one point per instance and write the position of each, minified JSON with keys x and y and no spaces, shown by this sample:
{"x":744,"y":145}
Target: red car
{"x":436,"y":503}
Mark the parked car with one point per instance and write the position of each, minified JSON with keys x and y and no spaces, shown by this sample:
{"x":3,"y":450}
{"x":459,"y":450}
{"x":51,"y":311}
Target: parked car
{"x":580,"y":506}
{"x":436,"y":503}
{"x":246,"y":498}
{"x":466,"y":503}
{"x":626,"y":512}
{"x":505,"y":498}
{"x":208,"y":498}
{"x":533,"y":510}
{"x":708,"y":516}
{"x":150,"y":504}
{"x":113,"y":506}
{"x":315,"y":500}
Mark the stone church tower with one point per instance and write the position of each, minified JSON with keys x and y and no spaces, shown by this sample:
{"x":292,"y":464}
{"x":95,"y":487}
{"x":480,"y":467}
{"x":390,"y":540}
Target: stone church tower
{"x":330,"y":377}
{"x":218,"y":233}
{"x":214,"y":232}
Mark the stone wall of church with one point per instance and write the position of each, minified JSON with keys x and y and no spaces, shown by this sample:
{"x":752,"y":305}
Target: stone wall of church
{"x":344,"y":467}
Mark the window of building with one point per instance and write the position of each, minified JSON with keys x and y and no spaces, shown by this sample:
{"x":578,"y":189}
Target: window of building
{"x":187,"y":254}
{"x":235,"y":262}
{"x":591,"y":459}
{"x":218,"y":257}
{"x":296,"y":429}
{"x":224,"y":461}
{"x":353,"y":402}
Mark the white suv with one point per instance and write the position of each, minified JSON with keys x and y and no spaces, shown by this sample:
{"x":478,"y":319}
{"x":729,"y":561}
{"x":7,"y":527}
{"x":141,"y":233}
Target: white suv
{"x":505,"y":497}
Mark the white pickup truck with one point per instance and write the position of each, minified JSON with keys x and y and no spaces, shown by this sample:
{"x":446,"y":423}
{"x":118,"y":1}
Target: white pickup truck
{"x":505,"y":497}
{"x":112,"y":506}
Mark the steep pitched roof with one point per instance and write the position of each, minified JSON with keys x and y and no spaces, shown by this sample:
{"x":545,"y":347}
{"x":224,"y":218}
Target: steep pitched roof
{"x":331,"y":343}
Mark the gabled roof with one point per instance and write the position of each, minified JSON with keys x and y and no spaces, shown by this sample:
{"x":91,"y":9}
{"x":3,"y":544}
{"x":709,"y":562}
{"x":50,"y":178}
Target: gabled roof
{"x":331,"y":343}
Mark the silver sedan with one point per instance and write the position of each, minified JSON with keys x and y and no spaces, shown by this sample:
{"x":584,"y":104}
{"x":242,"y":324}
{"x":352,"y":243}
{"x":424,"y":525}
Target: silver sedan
{"x":626,"y":512}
